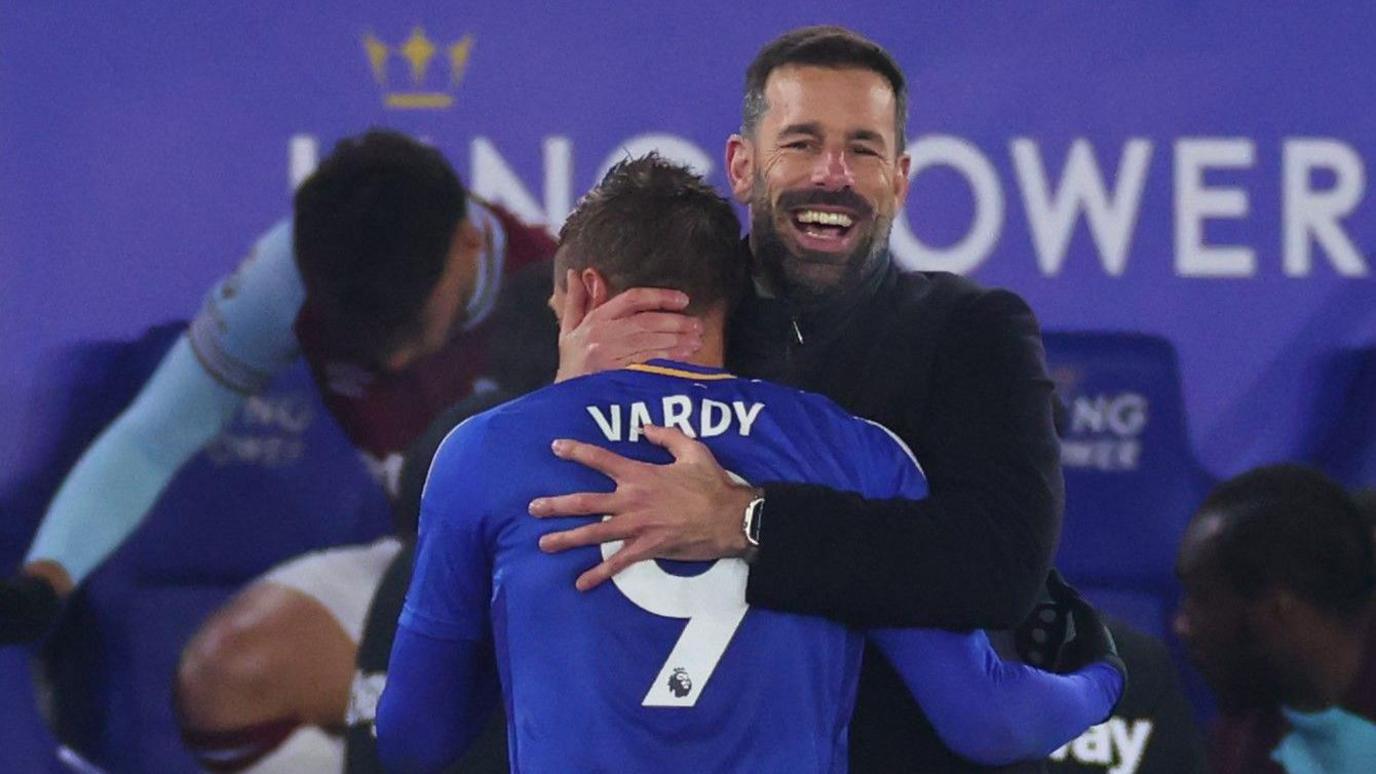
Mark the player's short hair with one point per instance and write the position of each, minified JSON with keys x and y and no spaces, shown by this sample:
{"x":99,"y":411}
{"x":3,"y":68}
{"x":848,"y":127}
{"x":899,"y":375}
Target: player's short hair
{"x":373,"y":229}
{"x":654,"y":223}
{"x":823,"y":46}
{"x":1292,"y":527}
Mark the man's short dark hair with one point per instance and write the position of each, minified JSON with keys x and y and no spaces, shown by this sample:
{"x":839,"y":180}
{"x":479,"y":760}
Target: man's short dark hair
{"x":1292,"y":527}
{"x":653,"y":223}
{"x":823,"y":46}
{"x":373,"y":228}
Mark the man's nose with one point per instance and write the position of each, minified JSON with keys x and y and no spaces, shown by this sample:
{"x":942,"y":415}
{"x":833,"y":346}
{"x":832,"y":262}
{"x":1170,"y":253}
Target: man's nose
{"x":833,"y":171}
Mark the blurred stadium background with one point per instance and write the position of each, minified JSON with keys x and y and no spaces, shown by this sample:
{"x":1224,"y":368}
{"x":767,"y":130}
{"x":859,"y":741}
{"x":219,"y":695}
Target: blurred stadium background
{"x":1179,"y":189}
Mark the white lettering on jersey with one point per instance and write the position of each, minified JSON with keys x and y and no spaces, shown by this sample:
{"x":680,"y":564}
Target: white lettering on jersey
{"x":703,"y":418}
{"x":610,"y":426}
{"x":714,"y":604}
{"x":640,"y":417}
{"x":746,"y":415}
{"x":714,"y":427}
{"x":1113,"y":744}
{"x":677,"y":410}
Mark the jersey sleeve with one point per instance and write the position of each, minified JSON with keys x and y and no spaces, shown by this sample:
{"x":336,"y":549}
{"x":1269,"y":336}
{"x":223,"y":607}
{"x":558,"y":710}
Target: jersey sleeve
{"x":438,"y":694}
{"x":244,"y":332}
{"x":991,"y":711}
{"x":889,"y":467}
{"x":452,"y":580}
{"x":121,"y":475}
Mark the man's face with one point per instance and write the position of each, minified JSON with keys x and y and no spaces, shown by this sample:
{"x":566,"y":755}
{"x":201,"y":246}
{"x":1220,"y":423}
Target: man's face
{"x":443,"y":313}
{"x":822,"y":174}
{"x":1218,"y":625}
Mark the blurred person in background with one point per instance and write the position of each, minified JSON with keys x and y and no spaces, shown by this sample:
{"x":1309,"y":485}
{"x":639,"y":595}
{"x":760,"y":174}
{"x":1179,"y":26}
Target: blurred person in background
{"x":1278,"y":574}
{"x":385,"y":280}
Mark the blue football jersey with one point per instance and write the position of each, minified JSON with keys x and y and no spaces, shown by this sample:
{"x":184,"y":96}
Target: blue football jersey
{"x":665,"y":669}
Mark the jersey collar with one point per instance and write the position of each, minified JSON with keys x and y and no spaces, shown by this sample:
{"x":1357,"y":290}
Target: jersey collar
{"x":680,"y":370}
{"x":488,"y":283}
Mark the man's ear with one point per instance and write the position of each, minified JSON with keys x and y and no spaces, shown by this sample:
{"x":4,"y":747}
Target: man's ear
{"x":470,"y":235}
{"x":596,"y":285}
{"x":740,"y":166}
{"x":902,"y":180}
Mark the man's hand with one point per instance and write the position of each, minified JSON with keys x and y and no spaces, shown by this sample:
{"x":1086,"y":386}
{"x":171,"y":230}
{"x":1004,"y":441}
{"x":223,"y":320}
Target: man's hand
{"x":1065,"y":633}
{"x":30,"y":603}
{"x":688,"y":509}
{"x":637,"y":325}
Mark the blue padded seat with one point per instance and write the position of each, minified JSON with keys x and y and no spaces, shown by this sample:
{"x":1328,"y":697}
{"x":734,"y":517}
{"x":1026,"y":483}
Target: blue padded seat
{"x":26,"y":744}
{"x":280,"y":481}
{"x":1132,"y":478}
{"x":1343,"y":435}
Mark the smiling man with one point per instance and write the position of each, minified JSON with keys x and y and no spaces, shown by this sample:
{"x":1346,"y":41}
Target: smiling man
{"x":957,"y":371}
{"x":824,"y":186}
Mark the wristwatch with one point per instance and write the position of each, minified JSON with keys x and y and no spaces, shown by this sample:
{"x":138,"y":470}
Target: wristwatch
{"x":750,"y":523}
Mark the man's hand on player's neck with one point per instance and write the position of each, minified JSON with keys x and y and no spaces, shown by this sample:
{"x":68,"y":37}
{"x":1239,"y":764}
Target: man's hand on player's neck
{"x":632,"y":327}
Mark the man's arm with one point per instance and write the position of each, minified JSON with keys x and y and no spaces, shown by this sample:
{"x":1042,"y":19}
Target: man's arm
{"x":242,"y":335}
{"x":120,"y":476}
{"x":972,"y":555}
{"x":441,"y":681}
{"x":438,"y":694}
{"x":975,"y":552}
{"x":991,"y":711}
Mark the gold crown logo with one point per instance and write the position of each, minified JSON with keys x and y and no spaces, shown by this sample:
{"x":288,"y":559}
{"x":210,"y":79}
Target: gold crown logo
{"x":418,"y":51}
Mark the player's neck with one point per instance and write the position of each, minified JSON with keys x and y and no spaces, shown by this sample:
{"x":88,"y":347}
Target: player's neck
{"x":712,"y":354}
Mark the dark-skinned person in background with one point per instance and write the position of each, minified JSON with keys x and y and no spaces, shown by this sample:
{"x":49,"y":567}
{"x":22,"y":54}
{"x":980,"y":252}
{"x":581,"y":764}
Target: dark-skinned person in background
{"x":1278,"y":571}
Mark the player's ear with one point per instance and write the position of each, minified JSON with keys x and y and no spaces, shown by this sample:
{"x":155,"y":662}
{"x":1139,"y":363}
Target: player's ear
{"x":596,"y":285}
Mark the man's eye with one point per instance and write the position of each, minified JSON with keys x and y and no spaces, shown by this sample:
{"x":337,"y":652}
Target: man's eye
{"x":864,"y":150}
{"x":797,"y":144}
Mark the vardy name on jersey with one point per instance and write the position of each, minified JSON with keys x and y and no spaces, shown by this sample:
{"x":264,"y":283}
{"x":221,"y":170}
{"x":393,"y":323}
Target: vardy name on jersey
{"x":700,"y":418}
{"x":665,"y":668}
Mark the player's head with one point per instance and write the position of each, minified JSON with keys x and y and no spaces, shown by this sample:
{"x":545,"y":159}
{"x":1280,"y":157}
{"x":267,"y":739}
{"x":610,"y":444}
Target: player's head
{"x":385,"y":250}
{"x":1273,"y":559}
{"x":820,"y":158}
{"x":653,"y":223}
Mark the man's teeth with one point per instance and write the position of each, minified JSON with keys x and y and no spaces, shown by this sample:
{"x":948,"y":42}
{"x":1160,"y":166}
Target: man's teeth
{"x":824,"y":218}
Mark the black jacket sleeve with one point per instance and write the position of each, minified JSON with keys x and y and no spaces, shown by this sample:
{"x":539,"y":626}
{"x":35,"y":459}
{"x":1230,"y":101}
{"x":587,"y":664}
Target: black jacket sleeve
{"x":975,"y":553}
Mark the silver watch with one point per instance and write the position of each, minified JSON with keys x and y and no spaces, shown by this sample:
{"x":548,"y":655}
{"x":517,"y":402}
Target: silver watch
{"x":750,"y":523}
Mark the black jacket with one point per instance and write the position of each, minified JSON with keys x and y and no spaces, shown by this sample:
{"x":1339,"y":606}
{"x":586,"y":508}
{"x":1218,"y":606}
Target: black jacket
{"x":958,"y":372}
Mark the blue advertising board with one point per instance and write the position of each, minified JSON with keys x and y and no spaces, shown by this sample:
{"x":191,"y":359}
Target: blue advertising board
{"x":1193,"y":170}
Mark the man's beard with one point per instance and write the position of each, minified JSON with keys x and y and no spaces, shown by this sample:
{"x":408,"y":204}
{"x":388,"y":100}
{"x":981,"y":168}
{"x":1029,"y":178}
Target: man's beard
{"x":810,"y":277}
